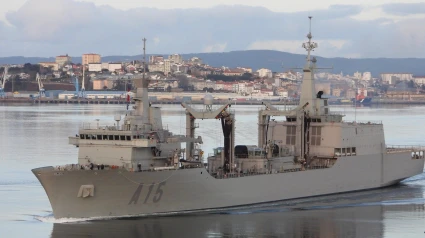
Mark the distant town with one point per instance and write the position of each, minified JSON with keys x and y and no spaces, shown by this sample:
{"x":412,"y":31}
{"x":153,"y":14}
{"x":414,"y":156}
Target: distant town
{"x":174,"y":78}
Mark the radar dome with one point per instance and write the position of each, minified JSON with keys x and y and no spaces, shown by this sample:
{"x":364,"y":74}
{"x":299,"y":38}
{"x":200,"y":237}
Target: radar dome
{"x":208,"y":99}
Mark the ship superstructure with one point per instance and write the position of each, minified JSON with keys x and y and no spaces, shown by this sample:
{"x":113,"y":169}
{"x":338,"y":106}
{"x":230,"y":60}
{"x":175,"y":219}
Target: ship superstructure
{"x":138,"y":141}
{"x":137,"y":167}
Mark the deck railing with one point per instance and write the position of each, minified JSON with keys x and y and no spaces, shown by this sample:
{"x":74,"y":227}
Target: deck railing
{"x":364,"y":122}
{"x":74,"y":167}
{"x":236,"y":175}
{"x":404,"y":148}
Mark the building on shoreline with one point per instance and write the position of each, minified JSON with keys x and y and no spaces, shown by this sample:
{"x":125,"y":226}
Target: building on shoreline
{"x":91,"y":59}
{"x":62,"y":60}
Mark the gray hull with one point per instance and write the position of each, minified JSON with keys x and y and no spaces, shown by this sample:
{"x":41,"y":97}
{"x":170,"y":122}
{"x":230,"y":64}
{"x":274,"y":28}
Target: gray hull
{"x":121,"y":193}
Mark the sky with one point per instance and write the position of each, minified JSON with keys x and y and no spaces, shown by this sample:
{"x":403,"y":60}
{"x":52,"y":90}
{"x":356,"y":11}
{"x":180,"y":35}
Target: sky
{"x":354,"y":29}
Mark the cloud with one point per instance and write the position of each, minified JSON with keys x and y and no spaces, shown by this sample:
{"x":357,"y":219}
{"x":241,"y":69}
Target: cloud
{"x":52,"y":27}
{"x":404,"y":9}
{"x":215,"y":48}
{"x":156,"y":40}
{"x":328,"y":46}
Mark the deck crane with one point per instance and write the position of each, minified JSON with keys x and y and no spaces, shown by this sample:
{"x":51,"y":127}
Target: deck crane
{"x":3,"y":82}
{"x":41,"y":90}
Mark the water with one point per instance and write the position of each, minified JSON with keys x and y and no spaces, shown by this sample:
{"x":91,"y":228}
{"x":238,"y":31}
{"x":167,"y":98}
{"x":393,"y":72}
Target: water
{"x":37,"y":135}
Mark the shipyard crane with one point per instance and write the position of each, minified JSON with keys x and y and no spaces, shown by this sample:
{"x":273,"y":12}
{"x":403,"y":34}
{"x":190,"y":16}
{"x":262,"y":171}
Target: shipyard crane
{"x":41,"y":90}
{"x":77,"y":93}
{"x":83,"y":88}
{"x":3,"y":82}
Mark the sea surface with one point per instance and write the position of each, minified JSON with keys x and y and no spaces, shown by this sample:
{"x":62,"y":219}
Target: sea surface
{"x":33,"y":135}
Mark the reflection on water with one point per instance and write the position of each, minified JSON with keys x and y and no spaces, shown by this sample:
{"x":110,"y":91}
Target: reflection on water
{"x":37,"y":135}
{"x":374,"y":213}
{"x":342,"y":222}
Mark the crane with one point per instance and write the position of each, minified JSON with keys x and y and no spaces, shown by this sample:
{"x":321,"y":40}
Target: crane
{"x":83,"y":88}
{"x":3,"y":82}
{"x":41,"y":91}
{"x":77,"y":94}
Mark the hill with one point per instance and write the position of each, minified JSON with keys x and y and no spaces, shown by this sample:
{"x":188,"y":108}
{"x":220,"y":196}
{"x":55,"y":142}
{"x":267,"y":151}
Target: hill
{"x":274,"y":60}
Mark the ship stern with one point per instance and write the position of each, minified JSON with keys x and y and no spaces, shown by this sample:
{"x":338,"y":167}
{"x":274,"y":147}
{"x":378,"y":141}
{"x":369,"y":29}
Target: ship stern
{"x":400,"y":166}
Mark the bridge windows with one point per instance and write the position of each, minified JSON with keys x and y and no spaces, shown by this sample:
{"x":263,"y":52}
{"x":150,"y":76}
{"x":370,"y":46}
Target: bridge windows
{"x":107,"y":137}
{"x":349,"y":151}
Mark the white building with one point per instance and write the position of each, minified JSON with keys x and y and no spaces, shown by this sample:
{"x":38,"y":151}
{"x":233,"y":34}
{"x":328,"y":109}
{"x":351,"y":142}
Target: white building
{"x":245,"y":69}
{"x":277,"y":82}
{"x":241,"y":88}
{"x":265,"y":73}
{"x":114,"y":66}
{"x":420,"y":80}
{"x":105,"y":66}
{"x":54,"y":66}
{"x":367,"y":76}
{"x":357,"y":75}
{"x":167,"y":66}
{"x":164,"y":67}
{"x":176,"y":58}
{"x":283,"y":93}
{"x":391,"y":78}
{"x":196,"y":60}
{"x":158,"y":67}
{"x":95,"y":67}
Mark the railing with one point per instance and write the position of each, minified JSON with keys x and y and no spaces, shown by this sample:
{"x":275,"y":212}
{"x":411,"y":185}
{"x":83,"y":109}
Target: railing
{"x":76,"y":167}
{"x":236,"y":175}
{"x":94,"y":126}
{"x":89,"y":126}
{"x":404,"y":148}
{"x":336,"y":113}
{"x":364,"y":122}
{"x":283,"y":108}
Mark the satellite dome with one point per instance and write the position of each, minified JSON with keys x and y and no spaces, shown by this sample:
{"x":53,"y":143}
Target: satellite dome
{"x":208,"y":99}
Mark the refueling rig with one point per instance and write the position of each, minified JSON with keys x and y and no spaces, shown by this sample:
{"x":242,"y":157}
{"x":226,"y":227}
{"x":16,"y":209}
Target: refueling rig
{"x":226,"y":116}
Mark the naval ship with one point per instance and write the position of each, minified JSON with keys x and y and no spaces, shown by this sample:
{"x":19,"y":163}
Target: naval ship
{"x":138,"y":167}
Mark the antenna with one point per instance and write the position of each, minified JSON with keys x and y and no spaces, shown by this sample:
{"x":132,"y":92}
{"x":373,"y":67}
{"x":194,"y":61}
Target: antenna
{"x":309,"y":17}
{"x":355,"y":106}
{"x":144,"y":57}
{"x":309,"y":46}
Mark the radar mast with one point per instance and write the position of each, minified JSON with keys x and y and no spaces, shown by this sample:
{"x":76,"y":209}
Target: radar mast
{"x":142,"y":97}
{"x":308,"y":94}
